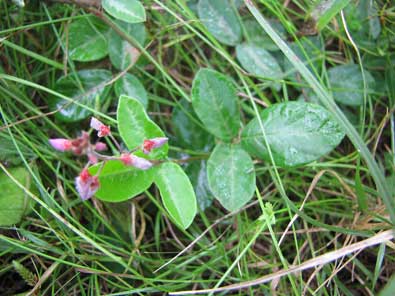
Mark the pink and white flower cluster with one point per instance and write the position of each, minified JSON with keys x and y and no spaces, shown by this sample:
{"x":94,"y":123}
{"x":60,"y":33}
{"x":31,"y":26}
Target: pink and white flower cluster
{"x":87,"y":184}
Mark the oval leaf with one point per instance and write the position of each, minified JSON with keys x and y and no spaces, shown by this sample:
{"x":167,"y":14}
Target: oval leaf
{"x":231,"y":176}
{"x":14,"y":202}
{"x":130,"y":86}
{"x":257,"y":36}
{"x":131,"y":11}
{"x":87,"y":39}
{"x":347,"y":84}
{"x":119,"y":182}
{"x":188,"y":133}
{"x":221,"y":20}
{"x":93,"y":83}
{"x":297,"y":133}
{"x":215,"y":102}
{"x":122,"y":53}
{"x":197,"y":173}
{"x":135,"y":126}
{"x":258,"y":61}
{"x":177,"y":193}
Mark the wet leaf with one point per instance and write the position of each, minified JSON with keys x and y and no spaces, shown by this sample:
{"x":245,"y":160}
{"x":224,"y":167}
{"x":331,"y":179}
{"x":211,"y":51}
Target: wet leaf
{"x":122,"y":53}
{"x":119,"y":182}
{"x":257,"y":36}
{"x":87,"y":39}
{"x":135,"y":126}
{"x":177,"y":193}
{"x":220,"y":19}
{"x":347,"y":84}
{"x":297,"y":133}
{"x":130,"y":86}
{"x":215,"y":102}
{"x":231,"y":176}
{"x":258,"y":61}
{"x":197,"y":173}
{"x":92,"y":88}
{"x":131,"y":11}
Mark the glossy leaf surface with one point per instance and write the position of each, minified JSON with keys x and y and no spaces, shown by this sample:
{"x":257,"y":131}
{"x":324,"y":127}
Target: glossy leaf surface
{"x":119,"y":182}
{"x":297,"y":133}
{"x":231,"y":176}
{"x":122,"y":53}
{"x":130,"y":86}
{"x":347,"y":84}
{"x":131,"y":11}
{"x":91,"y":90}
{"x":87,"y":39}
{"x":215,"y":102}
{"x":258,"y":61}
{"x":135,"y":126}
{"x":220,"y":19}
{"x":177,"y":193}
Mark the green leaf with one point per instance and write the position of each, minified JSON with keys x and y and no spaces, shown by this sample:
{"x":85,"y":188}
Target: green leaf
{"x":14,"y":202}
{"x":257,"y":36}
{"x":122,"y":53}
{"x":326,"y":10}
{"x":131,"y":11}
{"x":214,"y":99}
{"x":187,"y":132}
{"x":258,"y":61}
{"x":231,"y":176}
{"x":297,"y":133}
{"x":94,"y":88}
{"x":197,"y":173}
{"x":221,"y":20}
{"x":130,"y":86}
{"x":177,"y":193}
{"x":347,"y":84}
{"x":135,"y":126}
{"x":119,"y":182}
{"x":309,"y":51}
{"x":87,"y":39}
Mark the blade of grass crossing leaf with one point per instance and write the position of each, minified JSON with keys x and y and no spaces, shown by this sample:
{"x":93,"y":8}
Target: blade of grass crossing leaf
{"x":328,"y":102}
{"x":325,"y":13}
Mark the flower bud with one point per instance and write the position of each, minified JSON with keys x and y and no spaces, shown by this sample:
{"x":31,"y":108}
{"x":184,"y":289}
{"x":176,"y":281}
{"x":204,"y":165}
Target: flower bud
{"x":99,"y":146}
{"x":102,"y":129}
{"x":61,"y":144}
{"x":86,"y":184}
{"x":150,"y":144}
{"x":137,"y":162}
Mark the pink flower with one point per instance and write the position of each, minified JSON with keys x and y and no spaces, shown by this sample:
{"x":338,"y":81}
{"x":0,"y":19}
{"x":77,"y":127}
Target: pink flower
{"x":99,"y":146}
{"x":86,"y":184}
{"x":102,"y":129}
{"x":61,"y":144}
{"x":137,"y":162}
{"x":150,"y":144}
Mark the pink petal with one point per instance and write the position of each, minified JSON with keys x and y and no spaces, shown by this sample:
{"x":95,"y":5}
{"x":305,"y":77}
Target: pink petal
{"x":137,"y":162}
{"x":150,"y":144}
{"x":96,"y":124}
{"x":86,"y":184}
{"x":61,"y":144}
{"x":100,"y":146}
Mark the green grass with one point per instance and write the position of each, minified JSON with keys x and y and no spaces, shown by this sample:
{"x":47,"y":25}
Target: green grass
{"x":97,"y":248}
